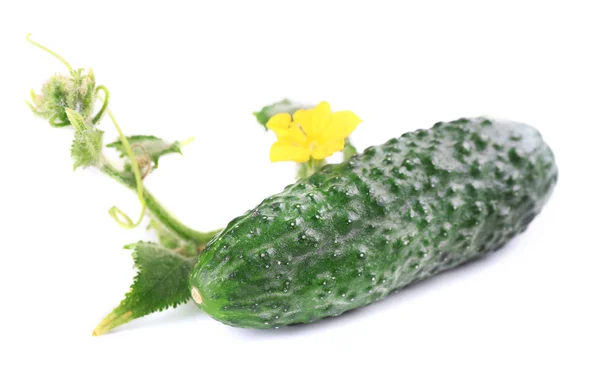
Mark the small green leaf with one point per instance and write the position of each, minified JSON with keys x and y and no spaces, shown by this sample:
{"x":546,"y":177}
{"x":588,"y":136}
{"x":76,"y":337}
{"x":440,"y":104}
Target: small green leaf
{"x":86,"y":148}
{"x":147,"y":146}
{"x":283,"y":106}
{"x":160,"y":283}
{"x":76,"y":120}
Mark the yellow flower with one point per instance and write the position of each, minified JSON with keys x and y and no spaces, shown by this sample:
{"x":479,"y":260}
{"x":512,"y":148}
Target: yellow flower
{"x":313,"y":133}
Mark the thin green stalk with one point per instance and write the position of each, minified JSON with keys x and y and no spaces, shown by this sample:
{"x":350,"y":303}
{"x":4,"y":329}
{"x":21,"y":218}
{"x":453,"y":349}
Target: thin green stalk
{"x":314,"y":165}
{"x":159,"y":212}
{"x":307,"y":169}
{"x":114,"y":211}
{"x":349,"y":149}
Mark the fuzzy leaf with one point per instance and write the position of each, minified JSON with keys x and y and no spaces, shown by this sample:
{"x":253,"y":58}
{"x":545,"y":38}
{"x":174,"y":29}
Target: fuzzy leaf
{"x":161,"y":282}
{"x":147,"y":145}
{"x":283,"y":106}
{"x":76,"y":120}
{"x":86,"y":148}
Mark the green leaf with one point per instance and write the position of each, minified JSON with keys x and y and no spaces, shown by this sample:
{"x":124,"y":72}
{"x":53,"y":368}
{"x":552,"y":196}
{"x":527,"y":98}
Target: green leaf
{"x":147,"y":146}
{"x":283,"y":106}
{"x":161,"y":282}
{"x":76,"y":120}
{"x":86,"y":149}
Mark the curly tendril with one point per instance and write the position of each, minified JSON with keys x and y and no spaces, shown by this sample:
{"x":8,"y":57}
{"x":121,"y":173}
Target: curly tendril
{"x":98,"y":116}
{"x":114,"y":211}
{"x":57,"y":56}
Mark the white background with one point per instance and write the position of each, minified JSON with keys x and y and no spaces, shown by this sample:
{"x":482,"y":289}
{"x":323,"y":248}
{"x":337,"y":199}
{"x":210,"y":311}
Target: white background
{"x":527,"y":315}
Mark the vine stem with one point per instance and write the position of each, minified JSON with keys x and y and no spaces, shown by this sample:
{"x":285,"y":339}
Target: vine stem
{"x":147,"y":200}
{"x":159,"y":212}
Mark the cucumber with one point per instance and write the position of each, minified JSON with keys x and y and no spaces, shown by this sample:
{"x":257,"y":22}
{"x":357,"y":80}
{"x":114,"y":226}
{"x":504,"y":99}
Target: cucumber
{"x":396,"y":214}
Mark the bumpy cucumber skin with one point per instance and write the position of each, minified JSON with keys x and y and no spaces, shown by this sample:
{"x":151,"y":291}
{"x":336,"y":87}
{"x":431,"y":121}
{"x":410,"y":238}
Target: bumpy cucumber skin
{"x":398,"y":213}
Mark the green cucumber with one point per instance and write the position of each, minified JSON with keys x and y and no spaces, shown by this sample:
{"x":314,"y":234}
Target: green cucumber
{"x":354,"y":232}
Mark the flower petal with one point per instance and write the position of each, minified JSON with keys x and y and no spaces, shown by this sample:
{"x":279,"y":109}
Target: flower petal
{"x":324,"y":150}
{"x":281,"y":125}
{"x":342,"y":125}
{"x":321,"y":119}
{"x":287,"y":151}
{"x":304,"y":118}
{"x":279,"y":121}
{"x":314,"y":121}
